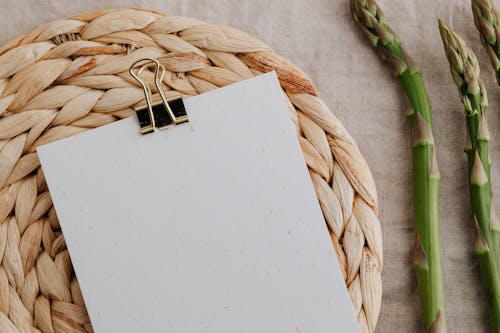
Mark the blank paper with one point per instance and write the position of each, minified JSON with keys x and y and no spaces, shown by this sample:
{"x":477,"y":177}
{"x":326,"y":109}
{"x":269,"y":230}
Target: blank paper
{"x":209,"y":226}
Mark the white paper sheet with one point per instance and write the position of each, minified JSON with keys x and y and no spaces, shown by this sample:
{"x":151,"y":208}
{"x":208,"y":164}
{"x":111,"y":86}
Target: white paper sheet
{"x":210,"y":226}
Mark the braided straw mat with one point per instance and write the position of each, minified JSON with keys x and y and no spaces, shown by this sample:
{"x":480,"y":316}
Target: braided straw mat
{"x":71,"y":75}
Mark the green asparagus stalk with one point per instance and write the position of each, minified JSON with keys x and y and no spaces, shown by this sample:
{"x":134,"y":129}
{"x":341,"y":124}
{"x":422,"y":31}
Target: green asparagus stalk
{"x":427,"y":252}
{"x":465,"y":72}
{"x":487,"y":22}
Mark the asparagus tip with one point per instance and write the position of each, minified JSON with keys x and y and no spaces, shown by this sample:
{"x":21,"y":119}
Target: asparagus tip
{"x":465,"y":70}
{"x":487,"y":22}
{"x":443,"y":26}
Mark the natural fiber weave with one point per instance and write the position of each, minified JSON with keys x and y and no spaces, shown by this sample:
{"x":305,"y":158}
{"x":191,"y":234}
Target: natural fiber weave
{"x":71,"y":75}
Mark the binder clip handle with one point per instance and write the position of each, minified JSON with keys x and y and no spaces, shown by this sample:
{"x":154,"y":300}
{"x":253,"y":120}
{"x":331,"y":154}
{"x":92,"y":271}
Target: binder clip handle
{"x":160,"y":115}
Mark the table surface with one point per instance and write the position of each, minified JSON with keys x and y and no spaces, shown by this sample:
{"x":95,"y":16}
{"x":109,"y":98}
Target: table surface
{"x":319,"y":37}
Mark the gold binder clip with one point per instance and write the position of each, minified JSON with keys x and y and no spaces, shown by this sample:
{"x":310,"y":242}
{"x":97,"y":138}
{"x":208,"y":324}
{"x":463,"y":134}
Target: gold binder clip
{"x":162,"y":114}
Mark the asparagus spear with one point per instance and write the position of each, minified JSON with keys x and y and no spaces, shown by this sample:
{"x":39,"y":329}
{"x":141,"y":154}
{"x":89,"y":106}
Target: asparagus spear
{"x":427,"y":251}
{"x":487,"y":22}
{"x":465,"y":72}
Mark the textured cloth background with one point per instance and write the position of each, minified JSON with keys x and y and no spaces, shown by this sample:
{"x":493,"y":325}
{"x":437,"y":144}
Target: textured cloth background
{"x":319,"y":37}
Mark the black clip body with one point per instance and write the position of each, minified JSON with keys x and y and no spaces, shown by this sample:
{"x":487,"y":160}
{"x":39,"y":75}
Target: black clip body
{"x":166,"y":112}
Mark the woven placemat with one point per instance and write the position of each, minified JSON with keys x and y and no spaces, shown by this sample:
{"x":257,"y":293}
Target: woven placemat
{"x":71,"y":75}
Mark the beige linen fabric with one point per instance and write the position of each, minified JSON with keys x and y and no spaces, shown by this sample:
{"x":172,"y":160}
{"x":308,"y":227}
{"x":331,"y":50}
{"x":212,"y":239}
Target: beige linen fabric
{"x":319,"y":37}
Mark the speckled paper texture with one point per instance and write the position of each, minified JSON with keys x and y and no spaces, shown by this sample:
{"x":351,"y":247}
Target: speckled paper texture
{"x":211,"y":226}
